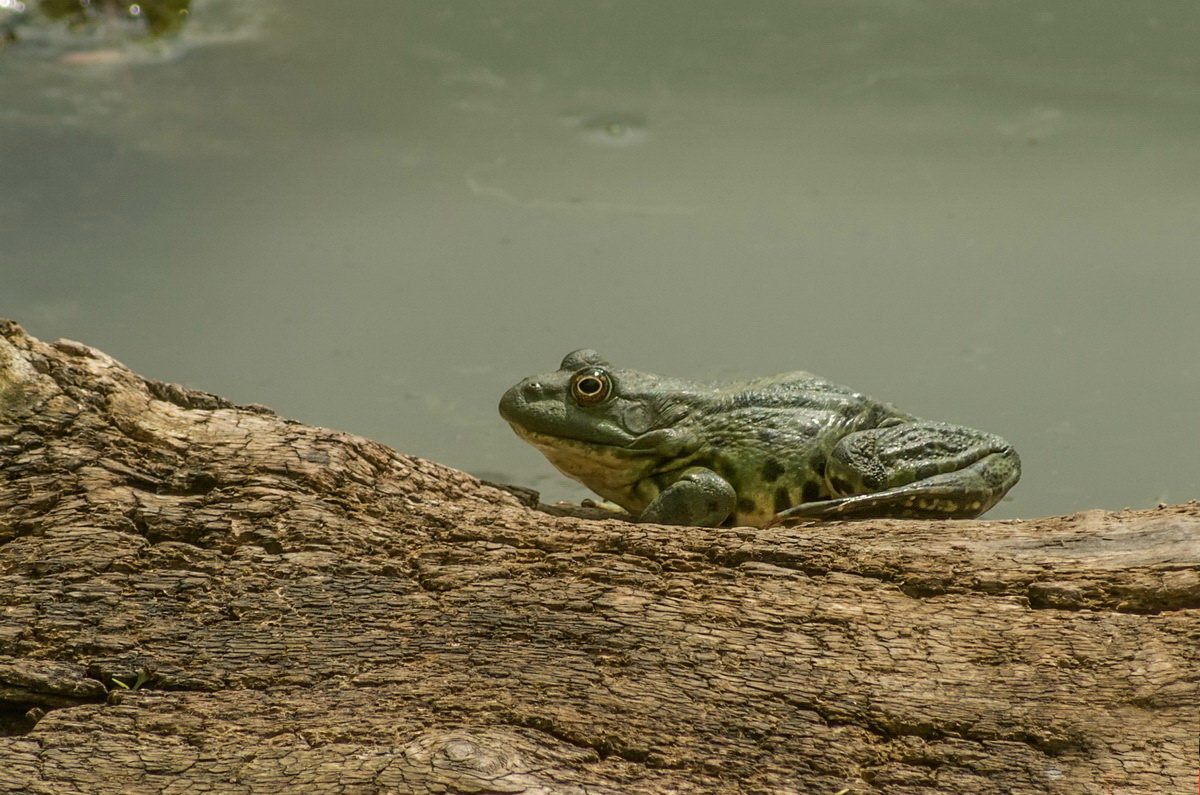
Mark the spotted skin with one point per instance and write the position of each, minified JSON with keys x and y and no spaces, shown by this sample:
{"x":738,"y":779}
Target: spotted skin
{"x":791,"y":447}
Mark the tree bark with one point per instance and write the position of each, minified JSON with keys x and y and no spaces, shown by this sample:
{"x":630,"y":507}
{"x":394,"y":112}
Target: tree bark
{"x":199,"y":596}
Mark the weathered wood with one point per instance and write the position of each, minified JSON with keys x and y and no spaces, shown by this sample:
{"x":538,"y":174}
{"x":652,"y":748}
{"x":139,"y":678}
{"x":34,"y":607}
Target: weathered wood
{"x":311,"y":610}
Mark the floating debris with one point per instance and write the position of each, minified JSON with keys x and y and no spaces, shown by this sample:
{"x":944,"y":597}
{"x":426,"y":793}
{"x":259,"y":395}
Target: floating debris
{"x":609,"y":129}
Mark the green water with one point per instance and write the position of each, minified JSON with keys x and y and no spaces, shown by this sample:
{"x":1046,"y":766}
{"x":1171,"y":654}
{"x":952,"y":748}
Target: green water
{"x":377,"y":216}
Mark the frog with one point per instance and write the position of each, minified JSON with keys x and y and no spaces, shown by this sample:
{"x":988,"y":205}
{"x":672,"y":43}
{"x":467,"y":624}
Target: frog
{"x":783,"y":449}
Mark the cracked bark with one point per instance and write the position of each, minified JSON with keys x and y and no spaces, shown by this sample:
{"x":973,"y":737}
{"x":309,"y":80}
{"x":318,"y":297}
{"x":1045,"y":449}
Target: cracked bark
{"x":310,"y":610}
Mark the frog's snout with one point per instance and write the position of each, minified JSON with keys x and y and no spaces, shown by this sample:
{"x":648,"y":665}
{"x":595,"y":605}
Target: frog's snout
{"x":520,"y":396}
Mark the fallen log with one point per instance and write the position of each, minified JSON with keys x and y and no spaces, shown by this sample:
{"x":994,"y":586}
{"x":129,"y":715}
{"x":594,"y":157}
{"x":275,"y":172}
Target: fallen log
{"x":201,"y":596}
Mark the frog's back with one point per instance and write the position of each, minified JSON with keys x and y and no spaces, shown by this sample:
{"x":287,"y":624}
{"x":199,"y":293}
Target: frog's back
{"x":771,"y":437}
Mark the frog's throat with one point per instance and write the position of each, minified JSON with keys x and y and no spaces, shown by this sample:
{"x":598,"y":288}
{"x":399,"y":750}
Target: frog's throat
{"x":610,"y":471}
{"x":544,"y":441}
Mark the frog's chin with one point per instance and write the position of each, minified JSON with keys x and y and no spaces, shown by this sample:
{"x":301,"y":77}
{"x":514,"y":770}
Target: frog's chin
{"x":610,"y":471}
{"x":547,"y":441}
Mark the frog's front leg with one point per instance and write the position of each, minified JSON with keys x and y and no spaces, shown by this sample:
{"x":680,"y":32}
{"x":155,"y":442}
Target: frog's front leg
{"x":698,"y":497}
{"x":926,"y":470}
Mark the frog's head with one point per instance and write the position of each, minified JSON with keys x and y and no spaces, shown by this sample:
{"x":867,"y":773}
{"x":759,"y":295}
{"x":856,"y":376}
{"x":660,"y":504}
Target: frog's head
{"x":597,"y":422}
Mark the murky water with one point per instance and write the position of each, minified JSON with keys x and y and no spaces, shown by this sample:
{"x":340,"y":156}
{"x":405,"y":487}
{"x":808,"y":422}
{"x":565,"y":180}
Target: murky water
{"x":377,"y":216}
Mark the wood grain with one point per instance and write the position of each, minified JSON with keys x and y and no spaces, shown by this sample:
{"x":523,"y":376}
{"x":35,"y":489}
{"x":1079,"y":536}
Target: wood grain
{"x":196,"y":596}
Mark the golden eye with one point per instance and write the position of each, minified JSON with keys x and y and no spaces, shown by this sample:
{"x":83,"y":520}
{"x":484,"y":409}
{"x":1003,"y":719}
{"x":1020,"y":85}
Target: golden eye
{"x":590,"y":386}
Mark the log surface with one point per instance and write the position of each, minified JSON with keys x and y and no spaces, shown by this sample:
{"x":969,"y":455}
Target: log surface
{"x":196,"y":596}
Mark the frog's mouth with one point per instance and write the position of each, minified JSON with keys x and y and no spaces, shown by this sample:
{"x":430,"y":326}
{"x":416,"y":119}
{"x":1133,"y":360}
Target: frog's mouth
{"x":541,"y":421}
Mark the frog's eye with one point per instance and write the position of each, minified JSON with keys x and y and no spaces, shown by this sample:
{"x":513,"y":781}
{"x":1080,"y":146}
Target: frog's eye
{"x":590,"y":386}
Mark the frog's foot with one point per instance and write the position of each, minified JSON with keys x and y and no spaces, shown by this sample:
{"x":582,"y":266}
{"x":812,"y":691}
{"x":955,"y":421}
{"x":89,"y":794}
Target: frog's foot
{"x":939,"y":497}
{"x":601,"y":505}
{"x":699,"y":497}
{"x":920,"y":470}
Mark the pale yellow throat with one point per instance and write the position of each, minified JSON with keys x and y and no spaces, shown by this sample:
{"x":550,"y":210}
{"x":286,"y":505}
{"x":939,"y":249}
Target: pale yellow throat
{"x":611,"y":475}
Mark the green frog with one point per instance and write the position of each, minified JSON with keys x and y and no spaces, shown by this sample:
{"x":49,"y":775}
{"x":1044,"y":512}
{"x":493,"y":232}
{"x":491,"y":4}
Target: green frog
{"x":790,"y":447}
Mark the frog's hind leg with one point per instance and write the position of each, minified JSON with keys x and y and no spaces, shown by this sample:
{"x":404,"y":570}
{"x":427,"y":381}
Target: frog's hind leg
{"x":926,"y":470}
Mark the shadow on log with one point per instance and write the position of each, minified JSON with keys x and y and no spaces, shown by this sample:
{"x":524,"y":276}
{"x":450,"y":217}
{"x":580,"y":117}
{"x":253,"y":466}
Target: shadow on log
{"x":200,"y":596}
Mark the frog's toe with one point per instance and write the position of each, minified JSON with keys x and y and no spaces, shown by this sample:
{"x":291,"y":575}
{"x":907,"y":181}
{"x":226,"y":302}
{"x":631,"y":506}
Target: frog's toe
{"x":601,"y":505}
{"x":811,"y":511}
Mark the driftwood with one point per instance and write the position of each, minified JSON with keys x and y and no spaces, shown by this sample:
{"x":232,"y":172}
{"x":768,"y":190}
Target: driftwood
{"x":196,"y":596}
